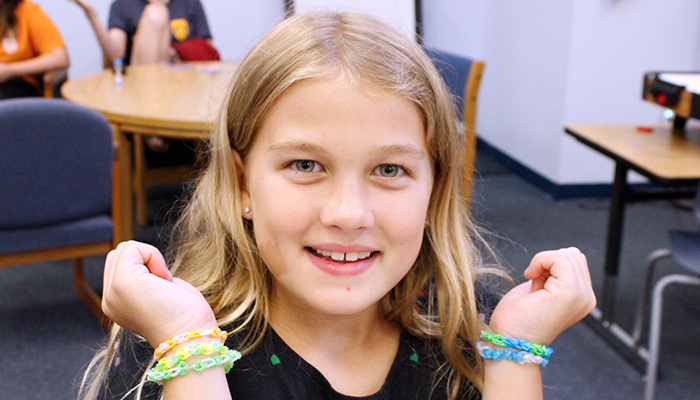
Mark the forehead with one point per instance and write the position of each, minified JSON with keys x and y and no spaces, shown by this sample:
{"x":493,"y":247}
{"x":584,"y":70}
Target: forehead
{"x":339,"y":110}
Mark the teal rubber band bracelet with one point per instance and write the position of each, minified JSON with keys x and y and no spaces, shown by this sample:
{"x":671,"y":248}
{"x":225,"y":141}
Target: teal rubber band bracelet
{"x":520,"y":357}
{"x":520,"y":344}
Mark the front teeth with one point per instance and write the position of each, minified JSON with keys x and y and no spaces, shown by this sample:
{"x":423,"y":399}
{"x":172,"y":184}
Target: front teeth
{"x":337,"y":256}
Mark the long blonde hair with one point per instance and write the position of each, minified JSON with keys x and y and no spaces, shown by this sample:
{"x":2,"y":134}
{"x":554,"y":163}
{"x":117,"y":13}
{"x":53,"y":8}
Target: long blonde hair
{"x":214,"y":245}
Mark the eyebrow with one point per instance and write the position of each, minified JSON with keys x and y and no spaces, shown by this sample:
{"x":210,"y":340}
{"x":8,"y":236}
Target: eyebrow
{"x":407,"y":150}
{"x":296,"y":146}
{"x":389,"y":150}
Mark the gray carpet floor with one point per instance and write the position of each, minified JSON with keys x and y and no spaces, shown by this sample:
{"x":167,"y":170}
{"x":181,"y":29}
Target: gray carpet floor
{"x":47,"y":336}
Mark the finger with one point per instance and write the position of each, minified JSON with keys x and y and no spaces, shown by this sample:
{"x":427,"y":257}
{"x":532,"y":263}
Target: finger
{"x":137,"y":253}
{"x":579,"y":265}
{"x":110,"y":266}
{"x":551,"y":262}
{"x":107,"y":278}
{"x":538,"y":283}
{"x":550,"y":269}
{"x":541,"y":263}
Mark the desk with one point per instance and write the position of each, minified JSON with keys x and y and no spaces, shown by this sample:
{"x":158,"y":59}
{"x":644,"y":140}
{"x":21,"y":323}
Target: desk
{"x":667,"y":157}
{"x":176,"y":101}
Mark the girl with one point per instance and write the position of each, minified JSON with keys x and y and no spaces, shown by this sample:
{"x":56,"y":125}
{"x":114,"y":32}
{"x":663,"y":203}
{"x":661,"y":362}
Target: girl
{"x":328,"y":237}
{"x":142,"y":31}
{"x":30,"y":45}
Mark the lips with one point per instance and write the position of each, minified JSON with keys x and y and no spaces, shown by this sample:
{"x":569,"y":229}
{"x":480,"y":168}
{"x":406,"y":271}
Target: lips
{"x":342,"y":263}
{"x":340,"y":256}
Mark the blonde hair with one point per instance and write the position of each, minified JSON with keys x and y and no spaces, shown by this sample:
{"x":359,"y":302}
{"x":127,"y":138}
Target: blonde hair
{"x":214,"y":244}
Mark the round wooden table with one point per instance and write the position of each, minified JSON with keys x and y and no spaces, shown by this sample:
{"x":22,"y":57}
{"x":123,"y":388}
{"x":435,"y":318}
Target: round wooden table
{"x":176,"y":101}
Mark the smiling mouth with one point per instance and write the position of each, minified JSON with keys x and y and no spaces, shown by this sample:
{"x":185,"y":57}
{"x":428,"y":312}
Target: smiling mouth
{"x":341,"y":257}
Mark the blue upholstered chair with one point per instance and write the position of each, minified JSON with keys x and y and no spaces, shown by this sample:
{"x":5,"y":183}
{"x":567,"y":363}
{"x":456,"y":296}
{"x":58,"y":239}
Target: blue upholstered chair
{"x":463,"y":76}
{"x":684,"y":250}
{"x":56,"y":187}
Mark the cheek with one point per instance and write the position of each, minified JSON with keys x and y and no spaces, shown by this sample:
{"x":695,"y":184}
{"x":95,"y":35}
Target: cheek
{"x":279,"y":221}
{"x":404,"y":223}
{"x":272,"y":255}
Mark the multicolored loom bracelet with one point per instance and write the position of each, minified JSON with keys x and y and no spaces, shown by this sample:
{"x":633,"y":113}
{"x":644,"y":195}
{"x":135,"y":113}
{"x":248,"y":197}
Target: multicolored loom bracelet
{"x":520,"y":344}
{"x":183,"y":337}
{"x":520,"y":357}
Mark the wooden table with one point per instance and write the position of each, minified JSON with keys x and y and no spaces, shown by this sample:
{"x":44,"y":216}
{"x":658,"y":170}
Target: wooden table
{"x":175,"y":101}
{"x":669,"y":158}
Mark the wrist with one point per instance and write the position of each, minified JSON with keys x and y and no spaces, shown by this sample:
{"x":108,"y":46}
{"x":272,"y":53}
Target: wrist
{"x":91,"y":14}
{"x":187,"y":333}
{"x":10,"y":70}
{"x":520,"y":332}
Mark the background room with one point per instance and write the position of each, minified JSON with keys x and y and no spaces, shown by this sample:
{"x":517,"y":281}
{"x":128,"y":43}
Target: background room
{"x":548,"y":65}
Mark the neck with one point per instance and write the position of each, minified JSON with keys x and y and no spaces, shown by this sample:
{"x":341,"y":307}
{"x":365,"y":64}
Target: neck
{"x":353,"y":352}
{"x":308,"y":331}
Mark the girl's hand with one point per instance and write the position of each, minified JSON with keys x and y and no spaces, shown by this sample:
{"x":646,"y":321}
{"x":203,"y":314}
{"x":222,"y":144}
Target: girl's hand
{"x":142,"y":296}
{"x":558,"y":294}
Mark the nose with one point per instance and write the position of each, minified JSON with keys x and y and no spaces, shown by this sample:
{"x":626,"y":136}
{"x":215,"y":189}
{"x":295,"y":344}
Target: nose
{"x":347,"y":207}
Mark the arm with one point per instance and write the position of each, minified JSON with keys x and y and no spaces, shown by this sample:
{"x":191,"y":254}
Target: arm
{"x":57,"y":58}
{"x":112,"y":41}
{"x":142,"y":296}
{"x":558,"y":294}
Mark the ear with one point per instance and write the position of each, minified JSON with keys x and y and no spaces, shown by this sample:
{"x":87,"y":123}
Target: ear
{"x":242,"y":185}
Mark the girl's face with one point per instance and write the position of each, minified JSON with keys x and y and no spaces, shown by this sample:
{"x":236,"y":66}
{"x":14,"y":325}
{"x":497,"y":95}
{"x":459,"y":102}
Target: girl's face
{"x":338,"y":183}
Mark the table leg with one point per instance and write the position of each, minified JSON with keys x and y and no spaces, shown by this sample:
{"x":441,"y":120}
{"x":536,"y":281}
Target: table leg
{"x":139,"y":186}
{"x":618,"y":198}
{"x":125,"y":186}
{"x":602,"y":319}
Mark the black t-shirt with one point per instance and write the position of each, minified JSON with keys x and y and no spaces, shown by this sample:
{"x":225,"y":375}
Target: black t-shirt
{"x":187,"y":20}
{"x":273,"y":371}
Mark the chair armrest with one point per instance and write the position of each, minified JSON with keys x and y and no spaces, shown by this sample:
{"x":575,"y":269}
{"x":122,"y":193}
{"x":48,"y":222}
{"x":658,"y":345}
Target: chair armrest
{"x":52,"y":81}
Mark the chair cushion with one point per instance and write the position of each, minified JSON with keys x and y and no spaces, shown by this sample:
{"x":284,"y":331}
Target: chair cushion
{"x":685,"y":249}
{"x":85,"y":231}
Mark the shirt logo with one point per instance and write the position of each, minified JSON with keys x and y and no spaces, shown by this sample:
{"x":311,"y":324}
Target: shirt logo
{"x":180,"y":29}
{"x":9,"y":44}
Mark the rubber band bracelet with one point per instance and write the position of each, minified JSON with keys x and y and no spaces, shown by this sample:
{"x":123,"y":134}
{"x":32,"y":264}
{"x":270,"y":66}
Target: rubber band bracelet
{"x":520,"y":357}
{"x":520,"y":344}
{"x":175,"y":365}
{"x":185,"y":353}
{"x":183,"y":337}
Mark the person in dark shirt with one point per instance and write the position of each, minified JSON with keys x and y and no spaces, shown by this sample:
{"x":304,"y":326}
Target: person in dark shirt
{"x":143,"y":31}
{"x":327,"y":244}
{"x":147,"y":32}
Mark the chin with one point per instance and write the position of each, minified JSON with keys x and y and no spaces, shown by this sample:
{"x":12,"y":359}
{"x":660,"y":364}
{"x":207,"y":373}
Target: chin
{"x":345,"y":302}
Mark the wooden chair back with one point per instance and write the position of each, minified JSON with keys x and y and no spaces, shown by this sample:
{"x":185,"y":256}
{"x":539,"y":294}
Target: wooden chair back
{"x":463,"y":76}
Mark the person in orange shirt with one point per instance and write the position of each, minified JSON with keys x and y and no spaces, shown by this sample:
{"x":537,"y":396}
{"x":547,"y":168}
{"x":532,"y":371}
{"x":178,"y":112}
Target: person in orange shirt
{"x":30,"y":44}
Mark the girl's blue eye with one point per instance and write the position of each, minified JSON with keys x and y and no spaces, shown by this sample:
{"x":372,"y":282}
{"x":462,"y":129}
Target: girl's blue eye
{"x":305,"y":165}
{"x":388,"y":170}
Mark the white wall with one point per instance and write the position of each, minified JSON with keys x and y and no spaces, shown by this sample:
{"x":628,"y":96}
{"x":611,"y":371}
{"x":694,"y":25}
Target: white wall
{"x":400,"y":13}
{"x":550,"y":63}
{"x":235,"y":26}
{"x":613,"y":44}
